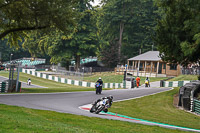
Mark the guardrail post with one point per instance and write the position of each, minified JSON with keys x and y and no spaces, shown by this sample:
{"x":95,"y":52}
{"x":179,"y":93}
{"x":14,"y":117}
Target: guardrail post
{"x":124,"y":83}
{"x":192,"y":101}
{"x":161,"y":83}
{"x":3,"y":87}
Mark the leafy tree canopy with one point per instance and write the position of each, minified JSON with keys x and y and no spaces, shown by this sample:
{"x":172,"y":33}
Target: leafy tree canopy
{"x":128,"y":24}
{"x":62,"y":46}
{"x":178,"y":32}
{"x":19,"y":16}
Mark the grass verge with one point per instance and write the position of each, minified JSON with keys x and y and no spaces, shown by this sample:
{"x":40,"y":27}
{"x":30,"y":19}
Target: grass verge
{"x":109,"y":77}
{"x":18,"y":119}
{"x":184,"y":77}
{"x":157,"y":108}
{"x":53,"y":86}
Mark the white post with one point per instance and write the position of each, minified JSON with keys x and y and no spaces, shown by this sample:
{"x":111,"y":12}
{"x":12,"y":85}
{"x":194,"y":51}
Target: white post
{"x":138,"y":69}
{"x":145,"y":64}
{"x":192,"y":102}
{"x":151,"y":68}
{"x":157,"y":68}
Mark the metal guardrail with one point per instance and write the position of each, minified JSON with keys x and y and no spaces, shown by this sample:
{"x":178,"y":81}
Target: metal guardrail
{"x":197,"y":106}
{"x":3,"y":87}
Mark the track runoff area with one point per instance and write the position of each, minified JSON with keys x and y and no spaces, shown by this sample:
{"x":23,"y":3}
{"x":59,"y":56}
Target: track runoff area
{"x":136,"y":120}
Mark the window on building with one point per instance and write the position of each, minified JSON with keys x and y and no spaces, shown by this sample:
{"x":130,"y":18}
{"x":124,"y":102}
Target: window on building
{"x":173,"y":66}
{"x":164,"y":66}
{"x":130,"y":63}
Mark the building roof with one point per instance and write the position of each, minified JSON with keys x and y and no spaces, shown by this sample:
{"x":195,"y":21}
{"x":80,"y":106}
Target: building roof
{"x":148,"y":56}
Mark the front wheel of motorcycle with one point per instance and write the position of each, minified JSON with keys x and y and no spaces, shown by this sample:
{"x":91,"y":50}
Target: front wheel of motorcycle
{"x":92,"y":109}
{"x":99,"y":109}
{"x":105,"y":110}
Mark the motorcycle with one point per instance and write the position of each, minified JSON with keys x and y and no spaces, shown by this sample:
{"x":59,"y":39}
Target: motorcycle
{"x":98,"y":88}
{"x":100,"y":105}
{"x":147,"y":83}
{"x":28,"y":82}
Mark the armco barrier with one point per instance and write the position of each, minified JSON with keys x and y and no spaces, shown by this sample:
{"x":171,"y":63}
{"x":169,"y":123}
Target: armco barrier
{"x":173,"y":83}
{"x":73,"y":82}
{"x":188,"y":95}
{"x":3,"y":87}
{"x":197,"y":106}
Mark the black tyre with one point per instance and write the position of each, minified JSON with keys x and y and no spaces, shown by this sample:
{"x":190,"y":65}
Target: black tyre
{"x":146,"y":85}
{"x":100,"y":90}
{"x":92,"y":109}
{"x":97,"y":90}
{"x":105,"y":110}
{"x":99,"y":109}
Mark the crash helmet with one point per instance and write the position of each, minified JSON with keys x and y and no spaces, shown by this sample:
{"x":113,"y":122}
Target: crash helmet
{"x":111,"y":97}
{"x":99,"y":77}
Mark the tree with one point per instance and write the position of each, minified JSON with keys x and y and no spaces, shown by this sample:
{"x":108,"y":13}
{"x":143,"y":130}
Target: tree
{"x":62,"y":46}
{"x":6,"y":50}
{"x":128,"y":23}
{"x":84,"y":41}
{"x":178,"y":31}
{"x":17,"y":17}
{"x":108,"y":54}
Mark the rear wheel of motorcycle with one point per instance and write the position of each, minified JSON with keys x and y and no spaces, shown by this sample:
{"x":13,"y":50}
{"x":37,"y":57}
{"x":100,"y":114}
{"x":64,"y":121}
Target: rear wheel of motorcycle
{"x":100,"y":90}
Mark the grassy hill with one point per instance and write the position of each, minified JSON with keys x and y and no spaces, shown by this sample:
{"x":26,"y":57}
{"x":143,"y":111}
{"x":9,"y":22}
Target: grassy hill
{"x":184,"y":77}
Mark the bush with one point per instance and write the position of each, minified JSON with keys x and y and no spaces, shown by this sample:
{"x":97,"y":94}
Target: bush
{"x":198,"y":77}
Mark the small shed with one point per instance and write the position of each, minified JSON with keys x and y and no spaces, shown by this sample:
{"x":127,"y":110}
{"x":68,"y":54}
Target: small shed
{"x":151,"y":65}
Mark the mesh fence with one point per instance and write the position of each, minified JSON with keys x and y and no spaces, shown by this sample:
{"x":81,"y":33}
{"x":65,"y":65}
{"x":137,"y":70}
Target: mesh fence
{"x":191,"y":71}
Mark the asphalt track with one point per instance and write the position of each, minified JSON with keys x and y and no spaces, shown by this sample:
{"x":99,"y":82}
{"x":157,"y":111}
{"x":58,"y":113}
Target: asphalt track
{"x":71,"y":102}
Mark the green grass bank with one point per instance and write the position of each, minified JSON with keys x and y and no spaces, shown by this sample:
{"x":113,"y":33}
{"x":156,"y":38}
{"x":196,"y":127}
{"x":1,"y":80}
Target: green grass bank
{"x":53,"y":86}
{"x":157,"y":108}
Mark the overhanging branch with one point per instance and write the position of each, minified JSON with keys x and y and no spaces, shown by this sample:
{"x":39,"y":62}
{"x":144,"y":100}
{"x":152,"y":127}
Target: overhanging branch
{"x":2,"y":35}
{"x":4,"y":5}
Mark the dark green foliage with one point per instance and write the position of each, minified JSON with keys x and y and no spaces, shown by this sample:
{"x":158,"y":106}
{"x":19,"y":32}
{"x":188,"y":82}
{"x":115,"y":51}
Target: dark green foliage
{"x":108,"y":55}
{"x":198,"y":77}
{"x":178,"y":32}
{"x":80,"y":42}
{"x":17,"y":17}
{"x":136,"y":19}
{"x":6,"y":50}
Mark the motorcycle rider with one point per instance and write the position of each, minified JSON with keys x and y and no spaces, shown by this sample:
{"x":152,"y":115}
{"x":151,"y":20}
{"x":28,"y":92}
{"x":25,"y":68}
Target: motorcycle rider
{"x":100,"y":82}
{"x":110,"y":98}
{"x":147,"y":80}
{"x":109,"y":103}
{"x":29,"y":81}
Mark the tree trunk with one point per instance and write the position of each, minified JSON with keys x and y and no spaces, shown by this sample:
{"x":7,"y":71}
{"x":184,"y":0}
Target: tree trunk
{"x":120,"y":41}
{"x":78,"y":58}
